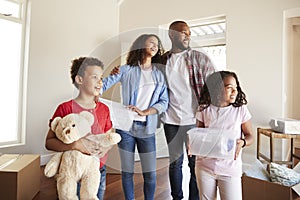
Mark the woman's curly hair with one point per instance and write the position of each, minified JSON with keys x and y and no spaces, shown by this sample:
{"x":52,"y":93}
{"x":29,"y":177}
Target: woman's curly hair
{"x":137,"y":53}
{"x":80,"y":64}
{"x":213,"y":90}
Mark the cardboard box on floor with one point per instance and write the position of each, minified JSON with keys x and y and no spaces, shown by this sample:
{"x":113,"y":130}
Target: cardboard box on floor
{"x":254,"y":188}
{"x":19,"y":176}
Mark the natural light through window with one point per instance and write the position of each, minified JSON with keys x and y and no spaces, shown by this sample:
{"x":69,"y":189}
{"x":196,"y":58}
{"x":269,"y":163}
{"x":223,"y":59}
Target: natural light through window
{"x":209,"y":35}
{"x":12,"y":40}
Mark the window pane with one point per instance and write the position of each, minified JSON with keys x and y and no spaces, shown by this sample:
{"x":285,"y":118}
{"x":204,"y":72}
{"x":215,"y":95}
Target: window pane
{"x":9,"y":8}
{"x":218,"y":55}
{"x":10,"y":40}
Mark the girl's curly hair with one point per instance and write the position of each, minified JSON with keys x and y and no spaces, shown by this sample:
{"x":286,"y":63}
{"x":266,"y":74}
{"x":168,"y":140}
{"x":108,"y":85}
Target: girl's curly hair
{"x":213,"y":90}
{"x":80,"y":64}
{"x":137,"y":53}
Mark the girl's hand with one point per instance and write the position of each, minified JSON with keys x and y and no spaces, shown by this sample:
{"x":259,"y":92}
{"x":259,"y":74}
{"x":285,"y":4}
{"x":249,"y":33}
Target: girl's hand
{"x":239,"y":146}
{"x":188,"y":146}
{"x":189,"y":150}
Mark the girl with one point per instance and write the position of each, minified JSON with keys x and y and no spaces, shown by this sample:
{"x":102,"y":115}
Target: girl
{"x":86,"y":75}
{"x":144,"y":91}
{"x":223,"y":106}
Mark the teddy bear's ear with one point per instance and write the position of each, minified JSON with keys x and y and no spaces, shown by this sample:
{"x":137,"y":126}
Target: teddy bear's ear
{"x":88,"y":116}
{"x":54,"y":123}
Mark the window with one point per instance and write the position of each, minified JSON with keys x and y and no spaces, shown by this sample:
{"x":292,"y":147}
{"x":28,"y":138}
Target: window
{"x":13,"y":63}
{"x":209,"y":35}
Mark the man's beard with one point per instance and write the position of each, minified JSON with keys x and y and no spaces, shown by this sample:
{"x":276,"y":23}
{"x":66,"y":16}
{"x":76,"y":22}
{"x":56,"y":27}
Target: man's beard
{"x":181,"y":46}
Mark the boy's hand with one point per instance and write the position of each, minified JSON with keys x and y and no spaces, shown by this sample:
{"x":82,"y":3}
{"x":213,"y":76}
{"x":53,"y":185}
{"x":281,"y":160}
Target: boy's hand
{"x":103,"y":151}
{"x":86,"y":146}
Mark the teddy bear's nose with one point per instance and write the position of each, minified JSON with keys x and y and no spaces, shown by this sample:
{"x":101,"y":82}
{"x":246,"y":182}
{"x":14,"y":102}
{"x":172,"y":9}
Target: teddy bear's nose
{"x":68,"y":131}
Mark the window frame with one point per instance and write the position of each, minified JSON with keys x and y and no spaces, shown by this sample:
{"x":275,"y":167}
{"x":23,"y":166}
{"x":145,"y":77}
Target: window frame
{"x":23,"y":19}
{"x":210,"y":41}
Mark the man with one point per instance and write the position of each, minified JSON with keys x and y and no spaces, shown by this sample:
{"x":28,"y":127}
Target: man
{"x":185,"y":70}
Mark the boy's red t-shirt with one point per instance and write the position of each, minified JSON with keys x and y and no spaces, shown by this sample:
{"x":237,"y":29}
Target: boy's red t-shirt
{"x":102,"y":122}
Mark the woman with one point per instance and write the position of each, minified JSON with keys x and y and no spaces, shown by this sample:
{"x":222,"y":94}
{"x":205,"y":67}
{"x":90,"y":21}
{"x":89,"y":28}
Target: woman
{"x":144,"y":91}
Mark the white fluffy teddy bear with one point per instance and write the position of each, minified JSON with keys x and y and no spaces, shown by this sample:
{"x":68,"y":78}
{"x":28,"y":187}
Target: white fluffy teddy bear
{"x":73,"y":166}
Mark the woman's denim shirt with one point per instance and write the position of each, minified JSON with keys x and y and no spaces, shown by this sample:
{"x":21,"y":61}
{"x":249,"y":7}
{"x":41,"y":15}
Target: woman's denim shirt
{"x":129,"y":77}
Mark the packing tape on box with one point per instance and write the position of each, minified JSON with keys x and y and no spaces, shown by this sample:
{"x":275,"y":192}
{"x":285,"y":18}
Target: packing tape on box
{"x":10,"y":161}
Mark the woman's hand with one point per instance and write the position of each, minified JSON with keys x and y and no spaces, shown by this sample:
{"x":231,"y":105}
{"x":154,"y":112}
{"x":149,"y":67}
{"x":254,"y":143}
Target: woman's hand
{"x":115,"y":70}
{"x":138,"y":111}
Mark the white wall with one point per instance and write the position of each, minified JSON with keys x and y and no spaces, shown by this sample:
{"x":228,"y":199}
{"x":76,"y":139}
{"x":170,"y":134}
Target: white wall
{"x":254,"y":42}
{"x":60,"y":30}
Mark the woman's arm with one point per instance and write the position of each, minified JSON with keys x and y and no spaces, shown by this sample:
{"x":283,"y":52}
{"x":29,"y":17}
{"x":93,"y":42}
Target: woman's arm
{"x":109,"y":81}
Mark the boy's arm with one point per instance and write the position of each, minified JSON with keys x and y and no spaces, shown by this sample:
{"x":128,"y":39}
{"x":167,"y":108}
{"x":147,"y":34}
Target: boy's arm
{"x":83,"y":144}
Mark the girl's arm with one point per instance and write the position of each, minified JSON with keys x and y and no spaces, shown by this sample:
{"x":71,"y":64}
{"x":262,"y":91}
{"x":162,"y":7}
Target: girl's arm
{"x":248,"y":137}
{"x":199,"y":124}
{"x":83,"y":144}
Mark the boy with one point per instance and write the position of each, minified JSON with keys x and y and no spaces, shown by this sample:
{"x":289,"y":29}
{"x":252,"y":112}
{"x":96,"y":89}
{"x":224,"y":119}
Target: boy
{"x":86,"y":75}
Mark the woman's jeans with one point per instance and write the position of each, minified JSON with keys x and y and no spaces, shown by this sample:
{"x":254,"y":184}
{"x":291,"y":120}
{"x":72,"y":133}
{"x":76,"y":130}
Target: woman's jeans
{"x":146,"y":148}
{"x":176,"y":137}
{"x":102,"y":185}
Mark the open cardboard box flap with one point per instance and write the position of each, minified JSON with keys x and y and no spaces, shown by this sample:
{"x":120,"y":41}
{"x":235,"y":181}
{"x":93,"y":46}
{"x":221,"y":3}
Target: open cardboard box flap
{"x":296,"y":187}
{"x":257,"y":186}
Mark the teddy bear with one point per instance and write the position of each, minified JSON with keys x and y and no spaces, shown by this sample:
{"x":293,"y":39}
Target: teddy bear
{"x":73,"y":166}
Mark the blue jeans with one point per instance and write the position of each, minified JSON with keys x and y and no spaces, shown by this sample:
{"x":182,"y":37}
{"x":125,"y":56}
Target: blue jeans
{"x":147,"y":151}
{"x":176,"y":137}
{"x":102,"y":185}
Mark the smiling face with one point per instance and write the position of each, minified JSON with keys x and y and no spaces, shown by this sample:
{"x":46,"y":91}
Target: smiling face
{"x":230,"y":91}
{"x":91,"y":82}
{"x":151,"y":46}
{"x":180,"y":37}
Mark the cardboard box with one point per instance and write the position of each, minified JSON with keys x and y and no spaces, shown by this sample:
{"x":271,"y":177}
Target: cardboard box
{"x":254,"y":188}
{"x":19,"y":176}
{"x":290,"y":126}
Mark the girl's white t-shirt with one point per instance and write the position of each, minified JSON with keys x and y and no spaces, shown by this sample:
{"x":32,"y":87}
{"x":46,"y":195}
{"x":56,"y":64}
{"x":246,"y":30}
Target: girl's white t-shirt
{"x":183,"y":102}
{"x":225,"y":118}
{"x":145,"y":92}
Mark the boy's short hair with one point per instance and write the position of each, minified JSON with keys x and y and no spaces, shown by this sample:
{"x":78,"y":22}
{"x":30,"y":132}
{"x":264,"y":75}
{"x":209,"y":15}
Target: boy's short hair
{"x":80,"y":64}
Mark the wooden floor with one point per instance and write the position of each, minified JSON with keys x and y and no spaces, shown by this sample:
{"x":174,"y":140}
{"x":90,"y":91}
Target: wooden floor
{"x":113,"y":185}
